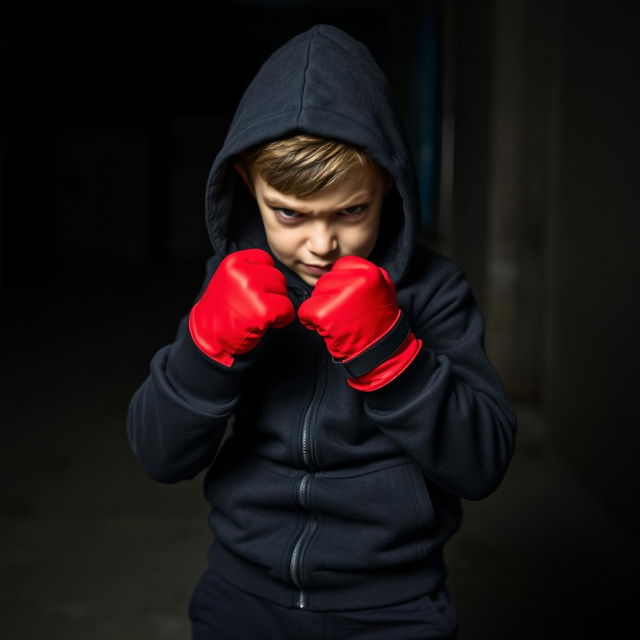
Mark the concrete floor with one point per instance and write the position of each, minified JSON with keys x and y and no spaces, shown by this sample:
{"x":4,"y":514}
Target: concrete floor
{"x":92,"y":548}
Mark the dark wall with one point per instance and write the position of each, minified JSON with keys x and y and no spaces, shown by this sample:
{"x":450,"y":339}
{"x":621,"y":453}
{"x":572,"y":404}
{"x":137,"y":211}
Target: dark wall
{"x":471,"y":76}
{"x":595,"y":254}
{"x":546,"y":219}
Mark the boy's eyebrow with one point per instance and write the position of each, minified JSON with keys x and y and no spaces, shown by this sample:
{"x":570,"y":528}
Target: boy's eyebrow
{"x":361,"y":197}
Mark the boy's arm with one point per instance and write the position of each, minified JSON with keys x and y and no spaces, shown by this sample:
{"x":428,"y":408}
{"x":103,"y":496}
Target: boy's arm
{"x":448,"y":409}
{"x":177,"y":418}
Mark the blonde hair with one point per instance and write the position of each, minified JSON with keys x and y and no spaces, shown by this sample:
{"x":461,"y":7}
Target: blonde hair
{"x":304,"y":164}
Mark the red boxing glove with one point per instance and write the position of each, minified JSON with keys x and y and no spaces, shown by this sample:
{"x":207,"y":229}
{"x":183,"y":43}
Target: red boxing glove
{"x":246,"y":296}
{"x":354,"y":308}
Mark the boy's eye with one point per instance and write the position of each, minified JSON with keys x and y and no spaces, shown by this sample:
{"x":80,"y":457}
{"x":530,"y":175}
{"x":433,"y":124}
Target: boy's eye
{"x":287,"y":214}
{"x":354,"y":210}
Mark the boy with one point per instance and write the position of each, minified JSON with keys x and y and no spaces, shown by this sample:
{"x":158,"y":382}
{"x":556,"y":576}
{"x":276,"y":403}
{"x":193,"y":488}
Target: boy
{"x":350,"y":357}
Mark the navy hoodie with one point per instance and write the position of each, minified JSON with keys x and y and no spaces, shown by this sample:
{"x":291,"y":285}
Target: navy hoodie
{"x":324,"y":497}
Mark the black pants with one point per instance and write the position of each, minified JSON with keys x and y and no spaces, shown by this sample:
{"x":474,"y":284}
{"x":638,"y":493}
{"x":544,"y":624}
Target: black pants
{"x":220,"y":611}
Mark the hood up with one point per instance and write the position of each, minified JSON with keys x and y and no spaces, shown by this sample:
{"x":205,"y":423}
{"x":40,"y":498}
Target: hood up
{"x":322,"y":82}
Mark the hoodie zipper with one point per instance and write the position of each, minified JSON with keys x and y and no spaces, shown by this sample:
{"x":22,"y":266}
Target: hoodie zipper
{"x":307,"y":440}
{"x":301,"y":543}
{"x":307,"y":449}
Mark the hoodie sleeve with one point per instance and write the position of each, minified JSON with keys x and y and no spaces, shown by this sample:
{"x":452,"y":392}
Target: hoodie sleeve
{"x":448,"y":410}
{"x":178,"y":417}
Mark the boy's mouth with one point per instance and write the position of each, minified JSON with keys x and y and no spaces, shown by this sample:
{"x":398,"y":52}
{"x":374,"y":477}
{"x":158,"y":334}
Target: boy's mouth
{"x":317,"y":269}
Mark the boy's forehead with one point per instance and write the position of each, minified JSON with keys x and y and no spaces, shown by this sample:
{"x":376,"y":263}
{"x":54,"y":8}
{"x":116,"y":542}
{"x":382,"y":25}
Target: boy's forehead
{"x":358,"y":184}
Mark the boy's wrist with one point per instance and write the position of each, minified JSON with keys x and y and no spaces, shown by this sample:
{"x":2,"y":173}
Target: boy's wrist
{"x":378,"y":352}
{"x":408,"y":385}
{"x":389,"y":369}
{"x":196,"y":374}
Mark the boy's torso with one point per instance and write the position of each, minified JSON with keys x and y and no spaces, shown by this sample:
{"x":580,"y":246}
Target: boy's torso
{"x":311,"y":489}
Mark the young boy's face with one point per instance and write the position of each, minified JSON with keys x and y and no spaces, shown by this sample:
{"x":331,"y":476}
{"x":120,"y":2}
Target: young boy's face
{"x":308,"y":235}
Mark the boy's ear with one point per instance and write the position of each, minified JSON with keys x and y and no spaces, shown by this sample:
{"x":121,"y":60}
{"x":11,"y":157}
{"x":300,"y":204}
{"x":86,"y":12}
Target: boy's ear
{"x":246,"y":177}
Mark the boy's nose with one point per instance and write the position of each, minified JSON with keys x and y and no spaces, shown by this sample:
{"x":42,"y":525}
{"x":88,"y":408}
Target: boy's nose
{"x":322,"y":240}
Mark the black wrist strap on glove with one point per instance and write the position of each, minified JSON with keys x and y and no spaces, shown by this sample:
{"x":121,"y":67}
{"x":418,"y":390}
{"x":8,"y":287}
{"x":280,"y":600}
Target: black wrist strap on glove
{"x":379,"y":351}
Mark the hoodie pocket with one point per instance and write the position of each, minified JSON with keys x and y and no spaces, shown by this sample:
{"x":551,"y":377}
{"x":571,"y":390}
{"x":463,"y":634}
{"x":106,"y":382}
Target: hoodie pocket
{"x":372,"y":521}
{"x":424,"y":507}
{"x":254,"y":512}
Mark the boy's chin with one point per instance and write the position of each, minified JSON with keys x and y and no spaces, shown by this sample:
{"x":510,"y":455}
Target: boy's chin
{"x":305,"y":275}
{"x":309,"y":279}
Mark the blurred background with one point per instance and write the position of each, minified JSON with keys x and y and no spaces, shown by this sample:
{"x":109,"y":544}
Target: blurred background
{"x":523,"y":115}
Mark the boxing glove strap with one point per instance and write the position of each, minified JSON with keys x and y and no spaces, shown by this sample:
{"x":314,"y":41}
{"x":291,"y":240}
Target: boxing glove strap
{"x":379,"y":351}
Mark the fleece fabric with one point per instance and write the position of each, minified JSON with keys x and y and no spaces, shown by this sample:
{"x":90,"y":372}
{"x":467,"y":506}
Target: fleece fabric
{"x":324,"y":497}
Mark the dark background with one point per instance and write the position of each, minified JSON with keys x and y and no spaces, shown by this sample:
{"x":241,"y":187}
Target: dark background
{"x":523,"y":116}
